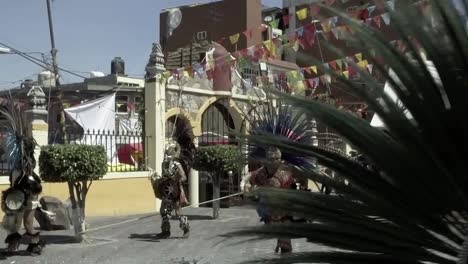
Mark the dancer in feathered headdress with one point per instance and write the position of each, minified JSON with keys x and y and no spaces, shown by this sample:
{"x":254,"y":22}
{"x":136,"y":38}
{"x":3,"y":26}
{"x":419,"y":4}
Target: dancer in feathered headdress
{"x":278,"y":165}
{"x":20,"y":201}
{"x":178,"y":160}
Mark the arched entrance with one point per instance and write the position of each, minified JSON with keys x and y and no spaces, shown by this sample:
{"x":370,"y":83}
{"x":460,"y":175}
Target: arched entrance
{"x":218,"y":128}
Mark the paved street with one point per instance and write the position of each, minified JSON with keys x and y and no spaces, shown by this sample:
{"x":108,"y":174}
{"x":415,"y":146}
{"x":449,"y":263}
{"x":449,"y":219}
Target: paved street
{"x":134,"y":242}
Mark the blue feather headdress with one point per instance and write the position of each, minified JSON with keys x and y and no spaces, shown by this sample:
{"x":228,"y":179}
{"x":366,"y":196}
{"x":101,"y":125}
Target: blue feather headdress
{"x":284,"y":123}
{"x":19,"y":147}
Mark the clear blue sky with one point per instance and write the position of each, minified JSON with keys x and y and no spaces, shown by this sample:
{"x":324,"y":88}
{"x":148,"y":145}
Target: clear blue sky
{"x":88,"y":33}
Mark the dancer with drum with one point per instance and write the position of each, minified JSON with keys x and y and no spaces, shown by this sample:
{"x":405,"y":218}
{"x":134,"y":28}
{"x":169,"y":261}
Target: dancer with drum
{"x":20,"y":201}
{"x":178,"y":158}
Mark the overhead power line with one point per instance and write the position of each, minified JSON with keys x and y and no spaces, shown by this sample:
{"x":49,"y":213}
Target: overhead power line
{"x":37,"y":61}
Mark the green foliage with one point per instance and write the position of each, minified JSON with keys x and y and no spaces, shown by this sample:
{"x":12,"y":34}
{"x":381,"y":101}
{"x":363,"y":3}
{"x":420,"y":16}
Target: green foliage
{"x":218,"y":158}
{"x":70,"y":163}
{"x":411,"y":206}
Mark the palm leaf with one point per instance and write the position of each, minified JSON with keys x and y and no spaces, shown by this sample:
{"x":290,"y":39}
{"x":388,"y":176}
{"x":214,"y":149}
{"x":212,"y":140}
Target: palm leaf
{"x":411,"y":208}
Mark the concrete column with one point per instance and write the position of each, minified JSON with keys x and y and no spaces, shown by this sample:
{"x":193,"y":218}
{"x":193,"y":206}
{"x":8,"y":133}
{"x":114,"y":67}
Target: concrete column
{"x":155,"y":112}
{"x":194,"y":184}
{"x":36,"y":117}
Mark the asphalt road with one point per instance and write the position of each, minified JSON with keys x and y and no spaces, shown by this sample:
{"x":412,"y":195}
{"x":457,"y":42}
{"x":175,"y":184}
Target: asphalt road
{"x":135,"y":242}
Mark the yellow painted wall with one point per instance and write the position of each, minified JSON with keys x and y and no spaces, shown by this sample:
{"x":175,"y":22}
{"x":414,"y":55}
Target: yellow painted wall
{"x":111,"y":197}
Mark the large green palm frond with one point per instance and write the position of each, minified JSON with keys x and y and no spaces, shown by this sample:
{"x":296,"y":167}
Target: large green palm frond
{"x":411,"y":207}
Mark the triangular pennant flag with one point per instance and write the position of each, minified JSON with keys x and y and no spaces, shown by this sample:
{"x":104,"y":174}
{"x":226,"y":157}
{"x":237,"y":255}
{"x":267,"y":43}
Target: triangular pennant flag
{"x":346,"y":74}
{"x":300,"y":31}
{"x":314,"y":10}
{"x":248,"y":33}
{"x":370,"y":68}
{"x":363,"y":64}
{"x":371,"y":10}
{"x":296,"y":45}
{"x":329,"y":2}
{"x":234,"y":38}
{"x":328,"y":78}
{"x":307,"y":69}
{"x":274,"y":23}
{"x":336,"y":32}
{"x":314,"y":69}
{"x":391,"y":4}
{"x":326,"y":25}
{"x":309,"y":34}
{"x":386,"y":18}
{"x":316,"y":82}
{"x":285,"y":20}
{"x":302,"y":14}
{"x":377,"y":21}
{"x":339,"y":63}
{"x":166,"y":74}
{"x":334,"y":20}
{"x":359,"y":56}
{"x":372,"y":52}
{"x":326,"y":66}
{"x":333,"y":64}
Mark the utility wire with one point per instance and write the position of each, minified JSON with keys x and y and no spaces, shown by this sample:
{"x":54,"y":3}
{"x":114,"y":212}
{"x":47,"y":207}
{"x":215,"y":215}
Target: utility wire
{"x":38,"y":61}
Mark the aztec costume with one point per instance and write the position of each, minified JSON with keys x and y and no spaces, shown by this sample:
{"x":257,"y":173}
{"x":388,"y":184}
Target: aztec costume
{"x":178,"y":158}
{"x":278,"y":166}
{"x":20,"y":201}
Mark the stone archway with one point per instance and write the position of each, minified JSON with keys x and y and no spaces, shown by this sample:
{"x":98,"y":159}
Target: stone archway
{"x":220,"y":124}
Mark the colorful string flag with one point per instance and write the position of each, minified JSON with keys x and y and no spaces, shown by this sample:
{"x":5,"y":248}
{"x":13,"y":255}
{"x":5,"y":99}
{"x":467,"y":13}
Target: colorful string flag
{"x":302,"y":14}
{"x":274,"y":23}
{"x":371,"y":10}
{"x":248,"y":33}
{"x":271,"y":48}
{"x":363,"y":64}
{"x":314,"y":10}
{"x":333,"y":64}
{"x":377,"y":21}
{"x":234,"y":38}
{"x":358,"y":56}
{"x":370,"y":67}
{"x":199,"y":70}
{"x":386,"y":18}
{"x":314,"y":69}
{"x":346,"y":74}
{"x":391,"y":4}
{"x":339,"y":62}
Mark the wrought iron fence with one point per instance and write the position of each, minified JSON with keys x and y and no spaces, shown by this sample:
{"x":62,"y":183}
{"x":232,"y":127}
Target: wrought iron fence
{"x":125,"y":150}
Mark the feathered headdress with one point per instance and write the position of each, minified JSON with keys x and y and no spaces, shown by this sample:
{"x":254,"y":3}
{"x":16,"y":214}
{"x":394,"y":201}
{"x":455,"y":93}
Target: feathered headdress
{"x":184,"y":138}
{"x":282,"y":122}
{"x":19,"y":146}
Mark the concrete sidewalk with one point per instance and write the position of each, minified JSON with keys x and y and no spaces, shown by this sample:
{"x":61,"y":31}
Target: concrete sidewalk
{"x":135,"y":242}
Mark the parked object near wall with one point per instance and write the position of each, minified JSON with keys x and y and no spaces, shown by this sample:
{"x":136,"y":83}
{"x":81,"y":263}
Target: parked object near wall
{"x":61,"y":220}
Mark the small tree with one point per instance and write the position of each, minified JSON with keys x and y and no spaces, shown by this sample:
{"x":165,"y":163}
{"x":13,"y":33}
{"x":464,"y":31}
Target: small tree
{"x":217,"y":161}
{"x":77,"y":165}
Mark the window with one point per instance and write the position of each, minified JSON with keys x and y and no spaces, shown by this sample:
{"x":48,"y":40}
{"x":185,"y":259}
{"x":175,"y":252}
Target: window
{"x":121,"y":104}
{"x":138,"y":101}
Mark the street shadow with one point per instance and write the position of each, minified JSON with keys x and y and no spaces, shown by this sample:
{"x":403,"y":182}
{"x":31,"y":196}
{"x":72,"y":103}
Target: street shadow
{"x":194,"y":217}
{"x":150,"y":237}
{"x":59,"y":239}
{"x":200,"y":217}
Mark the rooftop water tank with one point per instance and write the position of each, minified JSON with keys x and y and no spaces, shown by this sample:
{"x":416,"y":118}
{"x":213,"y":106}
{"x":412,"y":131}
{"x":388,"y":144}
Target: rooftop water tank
{"x":46,"y":79}
{"x":118,"y":66}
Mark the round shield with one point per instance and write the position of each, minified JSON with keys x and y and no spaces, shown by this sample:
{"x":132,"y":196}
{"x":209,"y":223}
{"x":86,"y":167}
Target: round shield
{"x":14,"y":199}
{"x":169,"y":189}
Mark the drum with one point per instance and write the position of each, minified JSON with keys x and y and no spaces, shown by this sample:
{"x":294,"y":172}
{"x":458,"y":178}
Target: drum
{"x":166,"y":187}
{"x":13,"y":199}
